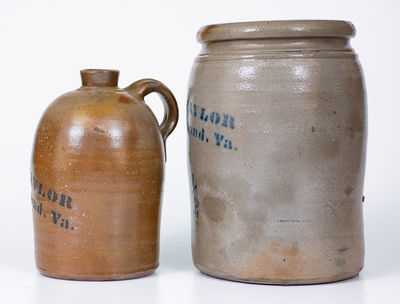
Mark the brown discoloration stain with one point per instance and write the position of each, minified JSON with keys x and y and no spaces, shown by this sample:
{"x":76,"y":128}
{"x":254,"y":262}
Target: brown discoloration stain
{"x":283,"y":262}
{"x":286,"y":262}
{"x":206,"y":31}
{"x":214,"y":208}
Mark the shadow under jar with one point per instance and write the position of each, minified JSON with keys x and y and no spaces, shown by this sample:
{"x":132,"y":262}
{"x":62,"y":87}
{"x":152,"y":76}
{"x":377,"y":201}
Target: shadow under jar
{"x":276,"y":119}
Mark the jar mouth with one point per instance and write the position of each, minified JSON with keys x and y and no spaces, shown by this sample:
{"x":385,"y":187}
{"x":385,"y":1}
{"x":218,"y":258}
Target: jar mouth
{"x":276,"y":29}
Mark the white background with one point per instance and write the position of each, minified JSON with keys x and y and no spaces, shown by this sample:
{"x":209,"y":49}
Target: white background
{"x":44,"y":44}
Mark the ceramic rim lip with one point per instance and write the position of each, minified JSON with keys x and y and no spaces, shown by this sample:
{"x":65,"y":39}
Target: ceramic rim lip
{"x":92,"y":70}
{"x":276,"y":29}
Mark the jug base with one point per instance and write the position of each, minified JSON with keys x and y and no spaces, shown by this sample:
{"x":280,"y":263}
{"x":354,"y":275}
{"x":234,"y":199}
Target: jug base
{"x":104,"y":277}
{"x":271,"y":281}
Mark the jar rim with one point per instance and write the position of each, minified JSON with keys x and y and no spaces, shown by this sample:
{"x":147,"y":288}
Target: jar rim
{"x":276,"y":29}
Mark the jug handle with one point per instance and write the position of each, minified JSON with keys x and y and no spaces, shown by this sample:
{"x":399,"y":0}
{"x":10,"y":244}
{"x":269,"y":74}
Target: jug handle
{"x":144,"y":87}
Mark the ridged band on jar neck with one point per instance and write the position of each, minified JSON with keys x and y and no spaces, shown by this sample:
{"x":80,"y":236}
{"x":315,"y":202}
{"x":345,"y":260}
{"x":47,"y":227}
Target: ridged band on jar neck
{"x":316,"y":38}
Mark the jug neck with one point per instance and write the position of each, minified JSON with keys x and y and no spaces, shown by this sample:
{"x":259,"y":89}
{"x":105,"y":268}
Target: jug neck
{"x":277,"y":39}
{"x":291,"y":44}
{"x":99,"y":78}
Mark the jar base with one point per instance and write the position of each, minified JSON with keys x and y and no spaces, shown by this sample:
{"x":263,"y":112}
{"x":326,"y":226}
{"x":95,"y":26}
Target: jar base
{"x":229,"y":277}
{"x":105,"y":277}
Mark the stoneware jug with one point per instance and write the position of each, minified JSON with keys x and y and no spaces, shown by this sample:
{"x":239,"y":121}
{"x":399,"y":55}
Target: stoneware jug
{"x":97,"y":178}
{"x":276,"y":119}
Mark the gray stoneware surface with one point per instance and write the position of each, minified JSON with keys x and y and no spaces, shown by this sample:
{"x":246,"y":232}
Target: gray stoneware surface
{"x":276,"y":119}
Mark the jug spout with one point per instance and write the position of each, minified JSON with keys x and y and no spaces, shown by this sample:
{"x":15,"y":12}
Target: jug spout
{"x":99,"y":78}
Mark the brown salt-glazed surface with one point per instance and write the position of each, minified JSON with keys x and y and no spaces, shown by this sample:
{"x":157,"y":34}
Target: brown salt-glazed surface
{"x":277,"y":136}
{"x":97,"y":176}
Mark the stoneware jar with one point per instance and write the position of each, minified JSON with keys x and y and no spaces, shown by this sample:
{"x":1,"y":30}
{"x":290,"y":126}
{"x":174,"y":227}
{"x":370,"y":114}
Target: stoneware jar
{"x":276,"y":120}
{"x":97,"y":177}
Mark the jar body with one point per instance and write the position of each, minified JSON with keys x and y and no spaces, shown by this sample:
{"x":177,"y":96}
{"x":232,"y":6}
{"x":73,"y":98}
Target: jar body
{"x":277,"y":139}
{"x":97,"y":175}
